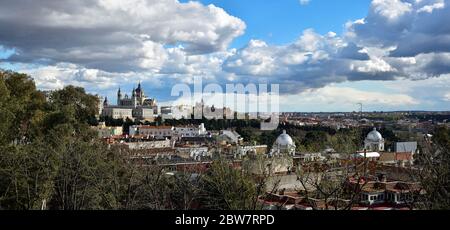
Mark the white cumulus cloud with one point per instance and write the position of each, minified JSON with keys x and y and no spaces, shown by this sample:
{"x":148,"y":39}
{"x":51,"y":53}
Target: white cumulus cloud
{"x":304,"y":2}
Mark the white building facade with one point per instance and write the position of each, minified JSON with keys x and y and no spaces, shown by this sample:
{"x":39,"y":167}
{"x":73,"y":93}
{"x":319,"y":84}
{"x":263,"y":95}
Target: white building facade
{"x":151,"y":131}
{"x":190,"y":131}
{"x":116,"y":112}
{"x":137,"y":107}
{"x":168,"y":131}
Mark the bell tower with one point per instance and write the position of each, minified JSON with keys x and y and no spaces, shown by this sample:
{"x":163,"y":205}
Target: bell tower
{"x":134,"y":97}
{"x":119,"y":97}
{"x":105,"y":102}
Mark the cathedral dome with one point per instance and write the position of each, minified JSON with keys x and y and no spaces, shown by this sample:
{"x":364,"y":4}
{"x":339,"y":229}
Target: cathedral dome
{"x":284,"y":140}
{"x":374,"y":135}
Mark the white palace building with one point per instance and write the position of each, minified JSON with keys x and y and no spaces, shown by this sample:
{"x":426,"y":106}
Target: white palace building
{"x":136,"y":107}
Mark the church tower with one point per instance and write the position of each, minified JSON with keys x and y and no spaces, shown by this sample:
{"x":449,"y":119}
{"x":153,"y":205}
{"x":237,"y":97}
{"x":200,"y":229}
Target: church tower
{"x":119,"y":97}
{"x":134,"y":97}
{"x":140,"y":94}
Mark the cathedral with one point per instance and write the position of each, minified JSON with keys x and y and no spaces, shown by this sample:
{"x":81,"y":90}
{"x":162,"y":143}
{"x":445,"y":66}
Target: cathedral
{"x":136,"y":107}
{"x":137,"y":98}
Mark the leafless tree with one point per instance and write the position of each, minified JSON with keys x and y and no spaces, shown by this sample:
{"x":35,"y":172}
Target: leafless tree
{"x":432,"y":170}
{"x":332,"y":185}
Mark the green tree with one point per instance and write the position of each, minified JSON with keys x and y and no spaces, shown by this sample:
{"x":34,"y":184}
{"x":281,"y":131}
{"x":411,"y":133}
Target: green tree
{"x":76,"y":103}
{"x":22,"y":107}
{"x":84,"y":173}
{"x":49,"y":156}
{"x":315,"y":141}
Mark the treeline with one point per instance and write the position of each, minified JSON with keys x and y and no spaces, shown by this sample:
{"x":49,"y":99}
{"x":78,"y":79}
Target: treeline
{"x":309,"y":139}
{"x":431,"y":117}
{"x":50,"y":158}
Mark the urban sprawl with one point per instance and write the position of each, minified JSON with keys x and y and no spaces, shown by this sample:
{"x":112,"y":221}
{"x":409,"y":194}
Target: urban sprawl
{"x":375,"y":165}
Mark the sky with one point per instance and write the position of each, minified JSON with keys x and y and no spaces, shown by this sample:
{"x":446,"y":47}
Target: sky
{"x":325,"y":55}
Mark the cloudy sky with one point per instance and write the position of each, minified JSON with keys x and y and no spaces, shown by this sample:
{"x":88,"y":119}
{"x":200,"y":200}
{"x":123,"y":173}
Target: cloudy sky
{"x":326,"y":55}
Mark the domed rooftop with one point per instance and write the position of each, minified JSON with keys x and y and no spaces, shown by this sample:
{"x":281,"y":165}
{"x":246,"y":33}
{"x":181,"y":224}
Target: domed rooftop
{"x":284,"y":140}
{"x":374,"y":135}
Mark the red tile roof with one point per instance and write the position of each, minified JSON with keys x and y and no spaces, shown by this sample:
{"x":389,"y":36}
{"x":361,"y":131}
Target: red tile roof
{"x":404,"y":156}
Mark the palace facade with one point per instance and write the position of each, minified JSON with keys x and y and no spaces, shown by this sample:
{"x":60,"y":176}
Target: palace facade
{"x":134,"y":107}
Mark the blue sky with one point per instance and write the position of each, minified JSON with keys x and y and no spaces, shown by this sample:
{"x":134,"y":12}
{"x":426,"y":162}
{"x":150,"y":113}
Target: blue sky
{"x":282,"y":21}
{"x":382,"y":53}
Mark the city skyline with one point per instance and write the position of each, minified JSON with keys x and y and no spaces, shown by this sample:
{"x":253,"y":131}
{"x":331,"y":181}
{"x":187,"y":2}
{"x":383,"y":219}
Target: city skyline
{"x":326,"y":56}
{"x":201,"y":108}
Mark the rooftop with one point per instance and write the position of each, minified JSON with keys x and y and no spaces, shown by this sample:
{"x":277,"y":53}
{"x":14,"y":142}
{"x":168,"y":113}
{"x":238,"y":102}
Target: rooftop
{"x":153,"y":127}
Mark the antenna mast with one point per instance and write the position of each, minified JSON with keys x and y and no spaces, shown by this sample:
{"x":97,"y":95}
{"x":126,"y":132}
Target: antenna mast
{"x":360,"y":110}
